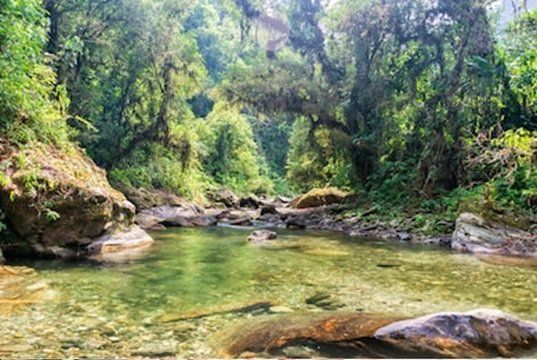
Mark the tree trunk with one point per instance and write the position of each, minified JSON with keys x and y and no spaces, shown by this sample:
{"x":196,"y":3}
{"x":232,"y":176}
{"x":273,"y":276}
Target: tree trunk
{"x":51,"y":6}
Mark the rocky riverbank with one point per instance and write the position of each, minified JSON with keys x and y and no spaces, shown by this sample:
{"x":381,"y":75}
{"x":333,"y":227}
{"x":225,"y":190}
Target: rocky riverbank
{"x":329,"y":212}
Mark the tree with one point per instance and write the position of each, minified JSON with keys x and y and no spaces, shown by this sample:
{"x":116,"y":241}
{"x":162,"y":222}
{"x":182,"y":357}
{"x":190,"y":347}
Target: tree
{"x":28,"y":111}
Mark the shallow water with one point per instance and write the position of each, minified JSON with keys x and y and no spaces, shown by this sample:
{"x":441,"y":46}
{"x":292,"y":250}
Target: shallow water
{"x":127,"y":309}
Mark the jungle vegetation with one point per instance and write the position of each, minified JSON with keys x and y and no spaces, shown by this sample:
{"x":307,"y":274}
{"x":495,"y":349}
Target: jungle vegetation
{"x":408,"y":103}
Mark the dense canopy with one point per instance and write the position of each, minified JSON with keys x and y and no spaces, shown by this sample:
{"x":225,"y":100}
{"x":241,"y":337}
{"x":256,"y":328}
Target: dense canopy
{"x":399,"y":101}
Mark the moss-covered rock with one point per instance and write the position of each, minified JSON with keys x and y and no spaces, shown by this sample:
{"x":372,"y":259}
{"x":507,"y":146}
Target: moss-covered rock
{"x":58,"y":201}
{"x":319,"y":197}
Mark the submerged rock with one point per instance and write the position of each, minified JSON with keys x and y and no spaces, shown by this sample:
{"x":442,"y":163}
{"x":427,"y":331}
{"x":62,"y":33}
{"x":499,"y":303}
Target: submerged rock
{"x":222,"y":309}
{"x":508,"y":260}
{"x":259,"y":236}
{"x":58,"y":201}
{"x":19,"y":287}
{"x":474,"y":234}
{"x":325,"y":301}
{"x":474,"y":334}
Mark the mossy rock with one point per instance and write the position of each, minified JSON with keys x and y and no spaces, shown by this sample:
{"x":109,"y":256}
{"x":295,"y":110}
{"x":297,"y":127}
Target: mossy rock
{"x":57,"y":201}
{"x":319,"y":197}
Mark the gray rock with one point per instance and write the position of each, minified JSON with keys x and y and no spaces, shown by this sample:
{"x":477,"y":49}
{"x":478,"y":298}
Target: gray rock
{"x":251,"y":202}
{"x":181,"y":216}
{"x":300,"y":352}
{"x":404,"y":236}
{"x":224,"y":197}
{"x":476,"y":235}
{"x":260,"y":236}
{"x":269,"y":209}
{"x":474,"y":334}
{"x":121,"y":240}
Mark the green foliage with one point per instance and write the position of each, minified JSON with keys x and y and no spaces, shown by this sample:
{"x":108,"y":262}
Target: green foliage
{"x":153,"y":166}
{"x":51,"y":215}
{"x":520,"y":46}
{"x":28,"y":111}
{"x":317,"y":159}
{"x":272,"y":135}
{"x":365,"y":95}
{"x":232,"y":158}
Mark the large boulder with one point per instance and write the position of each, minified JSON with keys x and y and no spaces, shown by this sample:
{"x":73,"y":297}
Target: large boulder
{"x":319,"y":197}
{"x":225,"y":197}
{"x":174,"y":216}
{"x":474,"y":334}
{"x":57,"y":202}
{"x":475,"y":234}
{"x":320,"y":333}
{"x":146,"y":199}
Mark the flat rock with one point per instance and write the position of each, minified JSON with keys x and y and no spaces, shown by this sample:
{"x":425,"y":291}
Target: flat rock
{"x":314,"y":331}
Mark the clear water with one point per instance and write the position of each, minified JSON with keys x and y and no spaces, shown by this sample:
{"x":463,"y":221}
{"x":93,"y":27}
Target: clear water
{"x":118,"y":310}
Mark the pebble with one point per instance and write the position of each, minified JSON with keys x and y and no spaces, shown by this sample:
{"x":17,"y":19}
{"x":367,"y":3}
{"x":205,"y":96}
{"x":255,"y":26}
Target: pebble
{"x":114,"y":339}
{"x":280,"y":309}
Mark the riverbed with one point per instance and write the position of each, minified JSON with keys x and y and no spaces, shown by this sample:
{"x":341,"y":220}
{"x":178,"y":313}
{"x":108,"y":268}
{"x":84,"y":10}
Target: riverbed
{"x":178,"y":297}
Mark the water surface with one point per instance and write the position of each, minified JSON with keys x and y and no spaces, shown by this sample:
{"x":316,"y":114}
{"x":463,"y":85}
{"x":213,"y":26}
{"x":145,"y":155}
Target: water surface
{"x":103,"y":310}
